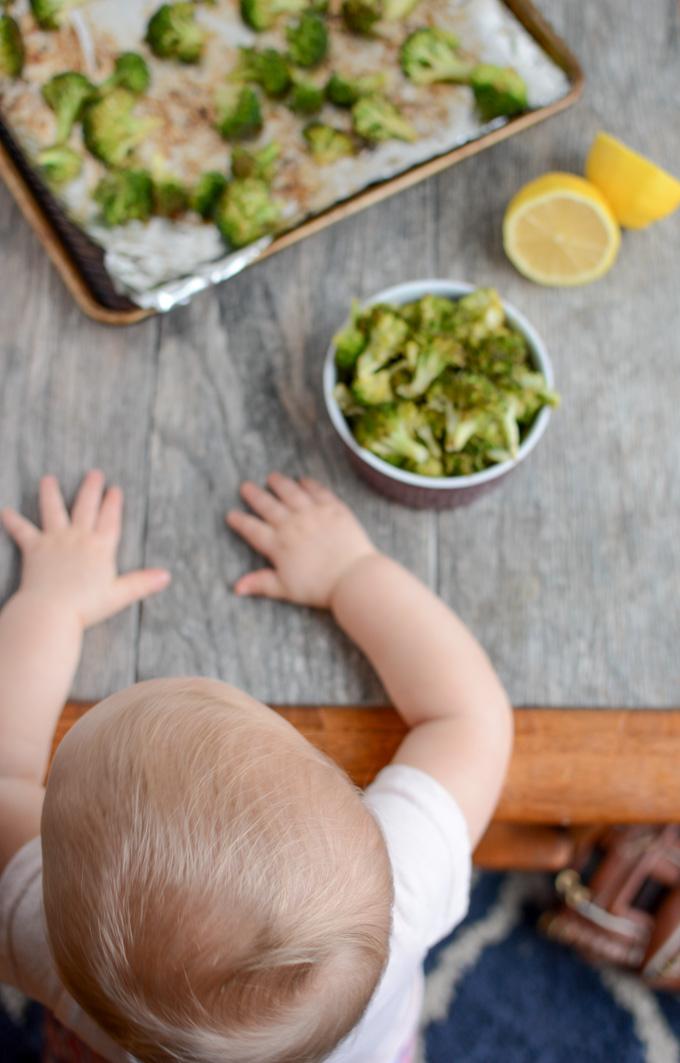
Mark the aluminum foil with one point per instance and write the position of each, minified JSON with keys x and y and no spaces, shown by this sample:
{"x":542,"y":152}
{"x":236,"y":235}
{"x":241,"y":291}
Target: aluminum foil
{"x":163,"y":263}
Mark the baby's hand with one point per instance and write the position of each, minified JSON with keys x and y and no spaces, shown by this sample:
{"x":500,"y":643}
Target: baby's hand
{"x":310,"y":537}
{"x":72,"y":561}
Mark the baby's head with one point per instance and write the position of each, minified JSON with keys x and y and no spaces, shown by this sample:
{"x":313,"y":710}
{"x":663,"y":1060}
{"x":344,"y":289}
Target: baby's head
{"x":214,"y":887}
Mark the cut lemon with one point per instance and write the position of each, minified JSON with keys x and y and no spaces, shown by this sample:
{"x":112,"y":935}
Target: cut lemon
{"x":560,"y":230}
{"x":638,"y":191}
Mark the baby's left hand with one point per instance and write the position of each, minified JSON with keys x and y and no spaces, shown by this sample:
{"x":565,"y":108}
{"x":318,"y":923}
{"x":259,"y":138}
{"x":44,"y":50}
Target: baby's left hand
{"x":71,"y":562}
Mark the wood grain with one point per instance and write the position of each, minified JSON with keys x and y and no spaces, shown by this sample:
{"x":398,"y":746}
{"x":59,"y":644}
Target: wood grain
{"x":569,"y":766}
{"x":72,"y":395}
{"x":568,"y":573}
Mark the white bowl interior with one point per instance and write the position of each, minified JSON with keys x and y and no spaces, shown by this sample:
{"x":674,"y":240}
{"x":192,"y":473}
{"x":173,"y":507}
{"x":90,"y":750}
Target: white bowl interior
{"x":405,"y":293}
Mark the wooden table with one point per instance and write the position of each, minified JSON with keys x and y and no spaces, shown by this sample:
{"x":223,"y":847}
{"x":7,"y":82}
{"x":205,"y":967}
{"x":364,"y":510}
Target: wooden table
{"x":569,"y":573}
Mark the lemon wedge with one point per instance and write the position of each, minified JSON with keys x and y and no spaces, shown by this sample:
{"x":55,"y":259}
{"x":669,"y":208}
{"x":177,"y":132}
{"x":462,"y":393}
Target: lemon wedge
{"x":559,"y":230}
{"x":638,"y":191}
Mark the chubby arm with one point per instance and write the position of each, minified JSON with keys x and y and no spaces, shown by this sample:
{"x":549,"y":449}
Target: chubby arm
{"x":437,"y":675}
{"x":68,"y":582}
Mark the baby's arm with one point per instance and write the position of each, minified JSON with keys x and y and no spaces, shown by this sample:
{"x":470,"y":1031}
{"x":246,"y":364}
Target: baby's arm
{"x":439,"y":678}
{"x":69,"y":581}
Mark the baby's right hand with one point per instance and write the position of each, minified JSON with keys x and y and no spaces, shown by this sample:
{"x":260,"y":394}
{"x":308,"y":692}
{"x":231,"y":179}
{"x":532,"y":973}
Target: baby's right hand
{"x":310,"y":537}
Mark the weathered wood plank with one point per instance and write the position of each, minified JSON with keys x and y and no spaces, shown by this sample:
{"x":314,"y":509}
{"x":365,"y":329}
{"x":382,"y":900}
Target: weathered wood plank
{"x":239,"y":394}
{"x":72,"y":395}
{"x":570,"y":573}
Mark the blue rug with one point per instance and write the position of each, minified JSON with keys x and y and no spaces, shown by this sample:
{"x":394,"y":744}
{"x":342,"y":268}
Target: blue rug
{"x":497,"y":992}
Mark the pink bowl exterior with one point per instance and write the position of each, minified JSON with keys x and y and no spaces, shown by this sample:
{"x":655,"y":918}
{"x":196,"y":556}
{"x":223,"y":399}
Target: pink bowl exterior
{"x":419,"y":497}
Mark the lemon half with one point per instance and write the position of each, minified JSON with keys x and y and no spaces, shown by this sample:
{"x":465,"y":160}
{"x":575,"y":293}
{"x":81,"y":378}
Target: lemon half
{"x":638,"y":191}
{"x":560,"y":230}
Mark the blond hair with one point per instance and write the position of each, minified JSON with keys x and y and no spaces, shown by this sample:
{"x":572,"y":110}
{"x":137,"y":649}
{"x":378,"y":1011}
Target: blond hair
{"x":214,"y":887}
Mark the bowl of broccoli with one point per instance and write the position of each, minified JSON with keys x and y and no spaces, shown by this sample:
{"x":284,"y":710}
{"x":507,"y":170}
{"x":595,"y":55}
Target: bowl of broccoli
{"x":438,"y":390}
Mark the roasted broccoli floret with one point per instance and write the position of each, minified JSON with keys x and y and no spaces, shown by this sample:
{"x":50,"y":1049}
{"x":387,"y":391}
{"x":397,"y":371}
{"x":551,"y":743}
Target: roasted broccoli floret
{"x":431,"y":55}
{"x":239,"y":114}
{"x":390,"y":432}
{"x":431,"y":314}
{"x":170,"y":198}
{"x":433,"y":357}
{"x":67,"y":95}
{"x":130,"y":72}
{"x":376,"y":119}
{"x":48,"y":13}
{"x":327,"y":144}
{"x":306,"y":98}
{"x":350,"y":342}
{"x":267,"y":68}
{"x":375,"y":389}
{"x":125,"y":195}
{"x":111,"y":129}
{"x":262,"y":14}
{"x":360,"y":16}
{"x":246,"y":211}
{"x":499,"y":90}
{"x":173,"y":33}
{"x":307,"y":40}
{"x":393,"y":10}
{"x":478,"y":316}
{"x":260,"y":163}
{"x":11,"y":48}
{"x":60,"y":164}
{"x":344,"y":92}
{"x":206,"y":192}
{"x":388,"y":334}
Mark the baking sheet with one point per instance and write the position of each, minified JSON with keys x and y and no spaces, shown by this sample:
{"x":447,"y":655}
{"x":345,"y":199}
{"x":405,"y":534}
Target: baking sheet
{"x":162,"y":263}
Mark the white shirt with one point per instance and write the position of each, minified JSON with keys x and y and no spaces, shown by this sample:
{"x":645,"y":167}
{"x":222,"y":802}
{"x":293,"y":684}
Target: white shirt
{"x":429,"y":848}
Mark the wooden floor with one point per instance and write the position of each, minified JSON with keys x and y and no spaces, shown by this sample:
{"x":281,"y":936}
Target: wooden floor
{"x":569,"y":573}
{"x":569,"y":768}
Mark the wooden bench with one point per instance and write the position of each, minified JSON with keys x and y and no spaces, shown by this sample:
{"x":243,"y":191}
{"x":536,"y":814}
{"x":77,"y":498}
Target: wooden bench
{"x":571,"y":768}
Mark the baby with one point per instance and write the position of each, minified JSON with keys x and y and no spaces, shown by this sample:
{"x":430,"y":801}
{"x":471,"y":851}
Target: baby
{"x":197,"y":883}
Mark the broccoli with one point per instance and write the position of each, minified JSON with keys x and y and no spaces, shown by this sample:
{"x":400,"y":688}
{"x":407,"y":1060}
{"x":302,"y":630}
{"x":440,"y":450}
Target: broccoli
{"x":260,"y":163}
{"x":350,"y":342}
{"x":67,"y":95}
{"x":262,"y":14}
{"x":170,"y":198}
{"x":173,"y":33}
{"x":206,"y":192}
{"x":388,"y":334}
{"x":374,"y":389}
{"x":111,"y":130}
{"x":130,"y":72}
{"x":327,"y":144}
{"x":307,"y":40}
{"x":431,"y":314}
{"x":267,"y":68}
{"x":48,"y":13}
{"x":432,"y":359}
{"x":306,"y":98}
{"x":360,"y":16}
{"x":125,"y":195}
{"x":394,"y":10}
{"x":246,"y":211}
{"x":12,"y":53}
{"x":390,"y":432}
{"x":239,"y":114}
{"x":345,"y":400}
{"x":60,"y":164}
{"x":431,"y":55}
{"x":344,"y":92}
{"x":478,"y":316}
{"x":376,"y":119}
{"x":499,"y":90}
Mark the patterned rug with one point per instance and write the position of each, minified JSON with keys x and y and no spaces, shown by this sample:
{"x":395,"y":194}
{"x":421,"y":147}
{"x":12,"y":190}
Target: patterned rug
{"x":497,"y":992}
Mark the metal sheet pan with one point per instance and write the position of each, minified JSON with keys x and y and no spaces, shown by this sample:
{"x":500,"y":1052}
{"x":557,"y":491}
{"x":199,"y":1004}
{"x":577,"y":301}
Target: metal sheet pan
{"x":81,"y":261}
